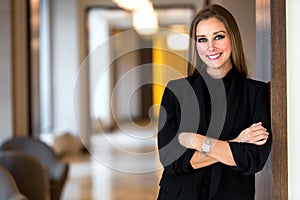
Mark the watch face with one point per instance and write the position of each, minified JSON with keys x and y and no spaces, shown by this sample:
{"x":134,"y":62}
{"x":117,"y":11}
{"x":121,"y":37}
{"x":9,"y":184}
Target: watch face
{"x":206,"y":147}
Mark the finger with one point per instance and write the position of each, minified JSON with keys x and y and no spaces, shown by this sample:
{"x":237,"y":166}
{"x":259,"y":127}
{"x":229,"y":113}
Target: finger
{"x":258,"y":137}
{"x":257,"y":128}
{"x":186,"y":139}
{"x":258,"y":133}
{"x":261,"y":142}
{"x":261,"y":137}
{"x":256,"y":124}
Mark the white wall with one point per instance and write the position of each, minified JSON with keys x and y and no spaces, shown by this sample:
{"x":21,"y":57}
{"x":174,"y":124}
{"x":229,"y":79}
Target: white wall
{"x":45,"y":89}
{"x":293,"y":97}
{"x":99,"y":70}
{"x":5,"y":70}
{"x":65,"y":62}
{"x":263,"y":41}
{"x":128,"y":72}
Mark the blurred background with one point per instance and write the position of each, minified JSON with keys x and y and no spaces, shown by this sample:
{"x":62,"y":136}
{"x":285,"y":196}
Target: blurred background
{"x":69,"y":54}
{"x":87,"y":76}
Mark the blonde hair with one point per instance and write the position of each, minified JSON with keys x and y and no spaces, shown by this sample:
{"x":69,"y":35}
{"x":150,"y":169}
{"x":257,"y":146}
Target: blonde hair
{"x":237,"y":56}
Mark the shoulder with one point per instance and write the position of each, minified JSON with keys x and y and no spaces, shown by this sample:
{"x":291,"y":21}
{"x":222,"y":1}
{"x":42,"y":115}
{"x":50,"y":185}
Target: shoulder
{"x":255,"y":84}
{"x":185,"y":81}
{"x":255,"y":87}
{"x":182,"y":87}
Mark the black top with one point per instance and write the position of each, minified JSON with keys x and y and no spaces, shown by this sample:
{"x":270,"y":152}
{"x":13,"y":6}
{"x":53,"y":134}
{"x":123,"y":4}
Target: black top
{"x":215,"y":91}
{"x":189,"y":105}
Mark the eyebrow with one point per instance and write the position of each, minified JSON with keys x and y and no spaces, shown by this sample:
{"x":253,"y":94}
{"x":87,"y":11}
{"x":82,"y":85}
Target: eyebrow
{"x":213,"y":33}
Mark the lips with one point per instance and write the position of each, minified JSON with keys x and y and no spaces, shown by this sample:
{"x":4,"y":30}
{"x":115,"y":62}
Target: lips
{"x":214,"y":56}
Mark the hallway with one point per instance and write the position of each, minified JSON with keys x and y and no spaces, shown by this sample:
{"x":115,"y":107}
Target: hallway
{"x":118,"y":167}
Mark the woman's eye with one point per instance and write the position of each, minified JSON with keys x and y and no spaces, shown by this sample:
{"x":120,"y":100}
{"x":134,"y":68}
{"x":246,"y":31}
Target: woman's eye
{"x":219,"y":37}
{"x":201,"y":40}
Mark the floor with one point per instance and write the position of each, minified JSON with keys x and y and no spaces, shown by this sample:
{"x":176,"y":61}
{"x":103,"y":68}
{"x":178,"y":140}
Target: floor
{"x":122,"y":165}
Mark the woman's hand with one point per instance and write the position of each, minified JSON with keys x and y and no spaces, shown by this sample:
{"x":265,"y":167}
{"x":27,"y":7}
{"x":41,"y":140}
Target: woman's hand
{"x":255,"y":134}
{"x":219,"y":152}
{"x":191,"y":140}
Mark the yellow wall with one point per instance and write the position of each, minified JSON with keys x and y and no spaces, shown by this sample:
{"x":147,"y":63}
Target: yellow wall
{"x":167,"y":65}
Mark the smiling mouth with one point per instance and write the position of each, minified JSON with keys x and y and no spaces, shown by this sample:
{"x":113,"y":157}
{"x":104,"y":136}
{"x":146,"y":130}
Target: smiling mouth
{"x":214,"y":57}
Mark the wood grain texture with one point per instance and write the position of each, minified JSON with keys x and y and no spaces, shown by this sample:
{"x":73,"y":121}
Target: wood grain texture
{"x":272,"y":181}
{"x":279,"y":100}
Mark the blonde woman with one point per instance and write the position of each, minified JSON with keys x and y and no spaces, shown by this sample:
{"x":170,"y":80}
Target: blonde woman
{"x":214,"y":126}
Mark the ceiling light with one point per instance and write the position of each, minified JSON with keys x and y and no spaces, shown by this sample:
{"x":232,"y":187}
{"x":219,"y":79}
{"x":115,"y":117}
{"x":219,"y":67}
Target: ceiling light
{"x":131,"y":4}
{"x":145,"y":20}
{"x":178,"y":41}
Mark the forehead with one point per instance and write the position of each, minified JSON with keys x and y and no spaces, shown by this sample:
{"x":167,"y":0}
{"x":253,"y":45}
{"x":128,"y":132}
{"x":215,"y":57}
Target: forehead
{"x":210,"y":26}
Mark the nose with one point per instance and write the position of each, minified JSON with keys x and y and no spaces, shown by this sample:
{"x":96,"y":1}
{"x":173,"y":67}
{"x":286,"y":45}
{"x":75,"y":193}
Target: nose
{"x":211,"y":46}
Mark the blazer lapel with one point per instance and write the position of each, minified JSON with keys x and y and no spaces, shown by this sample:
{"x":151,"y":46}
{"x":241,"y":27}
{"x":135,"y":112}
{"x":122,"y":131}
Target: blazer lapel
{"x":233,"y":101}
{"x":201,"y":90}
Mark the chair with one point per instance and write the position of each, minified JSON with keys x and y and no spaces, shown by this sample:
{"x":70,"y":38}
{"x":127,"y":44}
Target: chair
{"x":56,"y":168}
{"x":8,"y":187}
{"x":29,"y":174}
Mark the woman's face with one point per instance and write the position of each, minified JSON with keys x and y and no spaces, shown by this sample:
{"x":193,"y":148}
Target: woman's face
{"x":214,"y":46}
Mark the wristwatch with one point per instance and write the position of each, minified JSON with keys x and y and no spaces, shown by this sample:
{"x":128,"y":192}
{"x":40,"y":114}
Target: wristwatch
{"x":206,"y":146}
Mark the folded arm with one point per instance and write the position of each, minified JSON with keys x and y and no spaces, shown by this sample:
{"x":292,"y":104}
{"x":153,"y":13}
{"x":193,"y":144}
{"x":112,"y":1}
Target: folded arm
{"x":220,"y":150}
{"x":249,"y":151}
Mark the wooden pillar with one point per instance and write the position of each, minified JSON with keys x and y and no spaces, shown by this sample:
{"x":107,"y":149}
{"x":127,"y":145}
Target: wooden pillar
{"x":279,"y":100}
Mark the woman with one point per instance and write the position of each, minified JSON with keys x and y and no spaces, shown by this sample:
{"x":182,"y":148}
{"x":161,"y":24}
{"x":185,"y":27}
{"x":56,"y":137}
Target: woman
{"x":214,"y":126}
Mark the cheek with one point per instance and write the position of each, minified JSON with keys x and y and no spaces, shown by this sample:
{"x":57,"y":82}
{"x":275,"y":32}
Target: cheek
{"x":200,"y":49}
{"x":225,"y":46}
{"x":201,"y":53}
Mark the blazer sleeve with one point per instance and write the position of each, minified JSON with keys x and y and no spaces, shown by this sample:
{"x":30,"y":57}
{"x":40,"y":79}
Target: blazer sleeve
{"x":251,"y":158}
{"x":174,"y":157}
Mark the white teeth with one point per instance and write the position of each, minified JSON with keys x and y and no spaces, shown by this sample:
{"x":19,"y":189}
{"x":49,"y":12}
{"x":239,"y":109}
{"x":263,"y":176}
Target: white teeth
{"x":214,"y":56}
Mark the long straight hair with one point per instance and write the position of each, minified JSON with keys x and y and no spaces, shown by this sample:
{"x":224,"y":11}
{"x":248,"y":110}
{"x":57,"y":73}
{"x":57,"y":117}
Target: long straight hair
{"x":237,"y":56}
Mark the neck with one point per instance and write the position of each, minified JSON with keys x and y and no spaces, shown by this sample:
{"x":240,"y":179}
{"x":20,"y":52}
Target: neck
{"x":218,"y":73}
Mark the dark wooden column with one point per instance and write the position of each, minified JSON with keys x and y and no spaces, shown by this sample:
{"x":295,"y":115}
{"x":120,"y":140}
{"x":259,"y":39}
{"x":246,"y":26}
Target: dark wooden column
{"x":279,"y":100}
{"x":272,"y":181}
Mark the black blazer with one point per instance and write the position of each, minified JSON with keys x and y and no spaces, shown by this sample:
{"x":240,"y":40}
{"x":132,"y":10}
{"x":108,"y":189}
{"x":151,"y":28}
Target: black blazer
{"x":184,"y":108}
